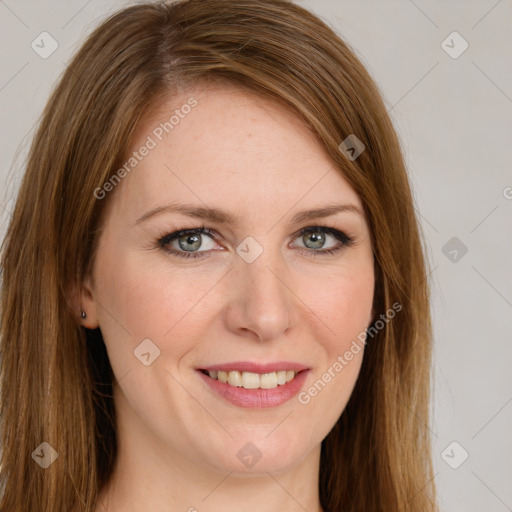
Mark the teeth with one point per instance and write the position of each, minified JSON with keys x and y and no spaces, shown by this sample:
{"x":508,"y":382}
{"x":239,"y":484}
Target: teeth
{"x":249,"y":380}
{"x":281,"y":377}
{"x":235,"y":379}
{"x":268,"y":380}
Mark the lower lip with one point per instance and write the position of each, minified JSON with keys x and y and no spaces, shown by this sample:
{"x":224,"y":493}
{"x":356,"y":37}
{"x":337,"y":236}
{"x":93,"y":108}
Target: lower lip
{"x":257,"y":398}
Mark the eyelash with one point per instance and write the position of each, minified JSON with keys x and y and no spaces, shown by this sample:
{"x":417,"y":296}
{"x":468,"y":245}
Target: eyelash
{"x":163,"y":241}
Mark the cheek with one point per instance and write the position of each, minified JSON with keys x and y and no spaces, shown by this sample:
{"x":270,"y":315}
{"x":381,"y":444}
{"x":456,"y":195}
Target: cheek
{"x":343,"y":311}
{"x":342,"y":303}
{"x":159,"y":302}
{"x":149,"y":301}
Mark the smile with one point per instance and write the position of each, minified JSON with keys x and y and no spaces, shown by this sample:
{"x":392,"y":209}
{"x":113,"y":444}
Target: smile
{"x":252,"y":389}
{"x":250,"y":380}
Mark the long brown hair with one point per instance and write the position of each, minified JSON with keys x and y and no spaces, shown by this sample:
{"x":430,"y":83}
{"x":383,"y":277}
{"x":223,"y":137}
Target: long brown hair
{"x":55,"y":376}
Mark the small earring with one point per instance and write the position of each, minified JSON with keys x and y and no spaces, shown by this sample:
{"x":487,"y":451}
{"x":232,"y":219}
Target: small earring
{"x":83,"y":314}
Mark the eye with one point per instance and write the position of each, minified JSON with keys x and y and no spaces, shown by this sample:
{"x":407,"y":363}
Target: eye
{"x":315,"y":238}
{"x":187,"y":242}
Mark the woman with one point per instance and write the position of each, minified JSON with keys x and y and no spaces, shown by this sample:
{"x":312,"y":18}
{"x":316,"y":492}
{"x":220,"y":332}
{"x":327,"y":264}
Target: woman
{"x":214,"y":290}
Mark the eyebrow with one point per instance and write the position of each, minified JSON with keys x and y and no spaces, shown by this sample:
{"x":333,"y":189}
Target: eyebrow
{"x":222,"y":217}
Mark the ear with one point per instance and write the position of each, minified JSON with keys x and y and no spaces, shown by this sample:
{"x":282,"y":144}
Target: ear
{"x":82,"y":299}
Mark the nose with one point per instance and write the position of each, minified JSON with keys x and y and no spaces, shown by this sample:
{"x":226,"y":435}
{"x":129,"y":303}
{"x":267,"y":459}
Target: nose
{"x":261,"y":302}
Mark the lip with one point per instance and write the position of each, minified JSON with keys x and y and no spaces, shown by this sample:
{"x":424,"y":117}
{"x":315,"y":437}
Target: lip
{"x":256,"y":398}
{"x":247,"y":366}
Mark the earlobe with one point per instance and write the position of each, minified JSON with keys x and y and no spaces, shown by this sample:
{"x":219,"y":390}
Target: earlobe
{"x":84,"y":305}
{"x":89,"y":313}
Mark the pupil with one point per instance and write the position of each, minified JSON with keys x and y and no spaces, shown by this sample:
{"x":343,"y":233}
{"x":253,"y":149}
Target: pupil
{"x":191,"y":239}
{"x":317,"y":238}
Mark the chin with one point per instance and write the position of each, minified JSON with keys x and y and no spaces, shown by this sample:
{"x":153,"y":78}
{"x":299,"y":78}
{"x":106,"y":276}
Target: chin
{"x":260,"y":456}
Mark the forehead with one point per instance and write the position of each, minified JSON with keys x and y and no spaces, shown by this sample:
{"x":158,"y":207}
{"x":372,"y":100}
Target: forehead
{"x":231,"y":149}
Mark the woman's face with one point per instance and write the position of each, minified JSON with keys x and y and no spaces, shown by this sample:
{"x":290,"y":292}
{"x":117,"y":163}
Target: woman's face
{"x":257,"y":292}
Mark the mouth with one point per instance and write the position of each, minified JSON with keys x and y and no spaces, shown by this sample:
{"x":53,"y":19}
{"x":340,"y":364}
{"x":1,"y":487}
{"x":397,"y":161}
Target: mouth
{"x":255,"y":386}
{"x":251,"y":380}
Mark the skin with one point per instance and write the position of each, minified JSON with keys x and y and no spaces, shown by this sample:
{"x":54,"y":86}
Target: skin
{"x":178,"y":440}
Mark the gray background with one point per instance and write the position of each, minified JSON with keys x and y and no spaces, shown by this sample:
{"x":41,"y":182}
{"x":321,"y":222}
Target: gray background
{"x":454,"y":119}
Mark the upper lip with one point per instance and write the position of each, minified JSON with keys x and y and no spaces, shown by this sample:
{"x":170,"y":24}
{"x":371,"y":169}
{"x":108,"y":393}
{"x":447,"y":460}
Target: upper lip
{"x":246,"y":366}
